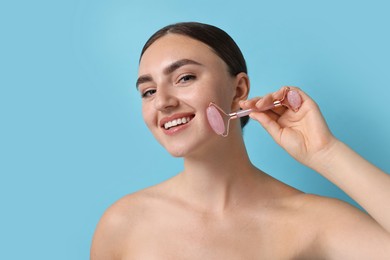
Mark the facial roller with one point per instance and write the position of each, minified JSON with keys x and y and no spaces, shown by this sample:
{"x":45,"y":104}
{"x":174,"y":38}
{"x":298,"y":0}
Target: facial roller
{"x":220,"y":121}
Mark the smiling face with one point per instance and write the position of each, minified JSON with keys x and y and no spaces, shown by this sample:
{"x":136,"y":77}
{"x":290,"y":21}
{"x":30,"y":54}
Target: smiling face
{"x":178,"y":78}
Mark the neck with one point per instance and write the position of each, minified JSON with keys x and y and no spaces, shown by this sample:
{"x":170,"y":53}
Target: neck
{"x":219,"y":179}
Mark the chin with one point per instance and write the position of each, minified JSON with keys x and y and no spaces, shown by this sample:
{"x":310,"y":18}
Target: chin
{"x":183,"y":149}
{"x":188,"y":150}
{"x":185,"y":146}
{"x":177,"y":152}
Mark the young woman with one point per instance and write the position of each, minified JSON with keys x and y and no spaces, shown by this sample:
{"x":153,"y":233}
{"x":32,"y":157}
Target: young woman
{"x":221,"y":206}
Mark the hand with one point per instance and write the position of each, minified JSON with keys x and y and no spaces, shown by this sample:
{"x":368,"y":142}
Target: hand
{"x":304,"y":134}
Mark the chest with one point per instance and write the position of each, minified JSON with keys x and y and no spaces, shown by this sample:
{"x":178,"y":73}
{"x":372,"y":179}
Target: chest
{"x":242,"y":237}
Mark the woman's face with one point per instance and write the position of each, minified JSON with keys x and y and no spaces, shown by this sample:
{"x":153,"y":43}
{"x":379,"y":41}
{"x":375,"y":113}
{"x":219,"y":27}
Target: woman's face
{"x":178,"y":77}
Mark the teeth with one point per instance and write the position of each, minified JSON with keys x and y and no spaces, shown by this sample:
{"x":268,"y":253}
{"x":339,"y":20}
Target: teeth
{"x":176,"y":122}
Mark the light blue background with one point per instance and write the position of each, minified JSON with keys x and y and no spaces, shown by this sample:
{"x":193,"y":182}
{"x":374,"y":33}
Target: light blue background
{"x":72,"y":139}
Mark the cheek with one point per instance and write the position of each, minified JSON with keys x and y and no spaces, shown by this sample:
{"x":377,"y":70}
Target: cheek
{"x":148,"y":116}
{"x":217,"y":88}
{"x":223,"y":95}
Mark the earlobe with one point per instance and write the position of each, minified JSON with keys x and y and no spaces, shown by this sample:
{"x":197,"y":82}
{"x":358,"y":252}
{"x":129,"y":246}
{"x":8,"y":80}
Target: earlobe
{"x":242,"y":88}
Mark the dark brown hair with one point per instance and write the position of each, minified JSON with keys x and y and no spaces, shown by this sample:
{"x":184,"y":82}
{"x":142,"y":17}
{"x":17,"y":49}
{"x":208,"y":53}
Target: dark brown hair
{"x":219,"y":41}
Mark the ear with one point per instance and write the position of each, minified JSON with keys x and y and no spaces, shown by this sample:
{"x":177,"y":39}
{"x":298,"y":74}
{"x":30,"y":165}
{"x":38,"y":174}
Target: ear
{"x":242,"y":87}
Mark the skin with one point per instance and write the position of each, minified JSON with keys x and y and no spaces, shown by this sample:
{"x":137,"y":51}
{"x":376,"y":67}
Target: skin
{"x":221,"y":206}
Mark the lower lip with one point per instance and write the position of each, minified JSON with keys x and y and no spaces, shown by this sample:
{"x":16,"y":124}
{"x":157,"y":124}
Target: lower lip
{"x":176,"y":129}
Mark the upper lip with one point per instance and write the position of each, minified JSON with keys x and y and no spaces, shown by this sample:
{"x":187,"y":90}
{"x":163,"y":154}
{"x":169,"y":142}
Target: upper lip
{"x":175,"y":116}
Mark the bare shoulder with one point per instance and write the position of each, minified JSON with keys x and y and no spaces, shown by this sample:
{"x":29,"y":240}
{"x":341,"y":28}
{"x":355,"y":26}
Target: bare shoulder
{"x":119,"y":220}
{"x":340,"y":230}
{"x":330,"y":212}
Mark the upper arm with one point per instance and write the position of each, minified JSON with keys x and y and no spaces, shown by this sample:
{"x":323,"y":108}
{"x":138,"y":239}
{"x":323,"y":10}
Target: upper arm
{"x":348,"y":233}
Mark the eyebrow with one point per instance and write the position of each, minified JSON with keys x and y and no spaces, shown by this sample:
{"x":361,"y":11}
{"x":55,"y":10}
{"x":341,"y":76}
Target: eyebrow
{"x":168,"y":70}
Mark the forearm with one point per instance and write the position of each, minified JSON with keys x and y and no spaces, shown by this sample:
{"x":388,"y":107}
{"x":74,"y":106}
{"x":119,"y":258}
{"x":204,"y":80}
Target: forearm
{"x":362,"y":181}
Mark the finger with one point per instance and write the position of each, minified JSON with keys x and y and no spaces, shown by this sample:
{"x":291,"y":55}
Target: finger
{"x":250,"y":103}
{"x":268,"y":101}
{"x":302,"y":94}
{"x":269,"y":124}
{"x":281,"y":93}
{"x":279,"y":110}
{"x":290,"y":97}
{"x":267,"y":104}
{"x":274,"y":115}
{"x":264,"y":103}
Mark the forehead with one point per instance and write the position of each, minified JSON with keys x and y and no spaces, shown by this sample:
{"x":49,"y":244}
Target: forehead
{"x":173,"y":47}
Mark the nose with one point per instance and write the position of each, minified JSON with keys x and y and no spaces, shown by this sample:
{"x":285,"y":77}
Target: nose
{"x":164,"y":100}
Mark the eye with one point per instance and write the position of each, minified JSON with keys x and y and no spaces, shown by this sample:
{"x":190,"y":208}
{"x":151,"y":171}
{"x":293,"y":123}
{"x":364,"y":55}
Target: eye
{"x":148,"y":93}
{"x":186,"y":78}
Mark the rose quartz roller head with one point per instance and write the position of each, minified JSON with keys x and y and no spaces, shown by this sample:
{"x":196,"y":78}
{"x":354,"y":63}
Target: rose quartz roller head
{"x":220,"y":121}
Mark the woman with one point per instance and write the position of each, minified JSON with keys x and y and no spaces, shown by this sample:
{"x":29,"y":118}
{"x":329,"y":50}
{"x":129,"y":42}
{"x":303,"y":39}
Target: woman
{"x":221,"y":206}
